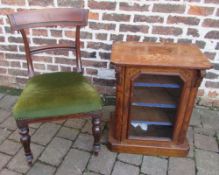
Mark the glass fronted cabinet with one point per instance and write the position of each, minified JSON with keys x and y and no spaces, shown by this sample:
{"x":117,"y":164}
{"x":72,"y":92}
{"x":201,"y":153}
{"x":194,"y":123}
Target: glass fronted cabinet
{"x":156,"y":86}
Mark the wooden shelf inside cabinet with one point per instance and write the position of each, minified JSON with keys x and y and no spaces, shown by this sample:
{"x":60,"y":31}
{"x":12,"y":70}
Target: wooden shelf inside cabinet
{"x":153,"y":97}
{"x":156,"y":90}
{"x":153,"y":132}
{"x":157,"y":81}
{"x":152,"y":115}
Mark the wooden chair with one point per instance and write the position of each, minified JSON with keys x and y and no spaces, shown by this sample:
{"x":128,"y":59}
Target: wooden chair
{"x":59,"y":95}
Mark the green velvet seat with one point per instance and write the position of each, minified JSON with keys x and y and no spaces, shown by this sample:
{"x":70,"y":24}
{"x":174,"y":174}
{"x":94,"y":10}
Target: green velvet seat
{"x":56,"y":94}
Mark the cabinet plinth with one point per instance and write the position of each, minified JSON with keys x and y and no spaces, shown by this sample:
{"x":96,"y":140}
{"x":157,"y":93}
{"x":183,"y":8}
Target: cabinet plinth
{"x":156,"y":89}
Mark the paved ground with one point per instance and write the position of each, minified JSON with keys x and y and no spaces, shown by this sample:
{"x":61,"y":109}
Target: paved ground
{"x":64,"y":148}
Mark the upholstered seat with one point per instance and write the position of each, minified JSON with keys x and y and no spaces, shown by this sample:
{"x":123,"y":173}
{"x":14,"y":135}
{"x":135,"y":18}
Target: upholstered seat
{"x":56,"y":94}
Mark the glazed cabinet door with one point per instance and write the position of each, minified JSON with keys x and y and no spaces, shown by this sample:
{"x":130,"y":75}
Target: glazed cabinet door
{"x":154,"y":100}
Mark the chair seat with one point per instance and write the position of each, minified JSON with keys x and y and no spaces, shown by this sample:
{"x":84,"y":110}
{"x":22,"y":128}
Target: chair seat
{"x":56,"y":94}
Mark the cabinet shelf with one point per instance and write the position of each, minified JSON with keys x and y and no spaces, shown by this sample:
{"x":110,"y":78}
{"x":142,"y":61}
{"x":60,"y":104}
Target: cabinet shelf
{"x":157,"y":81}
{"x":142,"y":122}
{"x":156,"y":105}
{"x":156,"y":97}
{"x":141,"y":84}
{"x":152,"y":115}
{"x":152,"y":131}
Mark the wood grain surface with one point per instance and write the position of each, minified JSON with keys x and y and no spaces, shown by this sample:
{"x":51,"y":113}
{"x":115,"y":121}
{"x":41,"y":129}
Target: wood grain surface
{"x":159,"y":54}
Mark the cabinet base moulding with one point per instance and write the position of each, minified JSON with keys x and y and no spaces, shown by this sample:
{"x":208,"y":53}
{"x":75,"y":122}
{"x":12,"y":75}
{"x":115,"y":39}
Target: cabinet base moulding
{"x":173,"y":150}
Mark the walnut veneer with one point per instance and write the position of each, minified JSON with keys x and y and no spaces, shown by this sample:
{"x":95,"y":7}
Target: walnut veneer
{"x":156,"y":88}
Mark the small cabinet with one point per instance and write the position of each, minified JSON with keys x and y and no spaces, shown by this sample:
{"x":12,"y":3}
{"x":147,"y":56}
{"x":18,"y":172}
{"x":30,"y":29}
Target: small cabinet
{"x":156,"y":89}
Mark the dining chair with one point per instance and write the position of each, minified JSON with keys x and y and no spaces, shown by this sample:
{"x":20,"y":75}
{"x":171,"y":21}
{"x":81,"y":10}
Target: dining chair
{"x":58,"y":95}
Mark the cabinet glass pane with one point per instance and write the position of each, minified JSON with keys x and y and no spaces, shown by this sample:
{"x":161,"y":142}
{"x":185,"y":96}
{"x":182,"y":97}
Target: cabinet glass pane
{"x":153,"y":106}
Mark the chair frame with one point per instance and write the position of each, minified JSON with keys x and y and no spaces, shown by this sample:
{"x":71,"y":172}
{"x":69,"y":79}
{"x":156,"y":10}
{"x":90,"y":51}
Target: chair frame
{"x":74,"y":17}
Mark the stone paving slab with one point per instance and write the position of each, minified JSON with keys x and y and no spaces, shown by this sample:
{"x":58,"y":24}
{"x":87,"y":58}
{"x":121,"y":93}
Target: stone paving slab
{"x":9,"y":123}
{"x":7,"y":102}
{"x":206,"y":142}
{"x":154,"y":165}
{"x":55,"y":151}
{"x":87,"y":128}
{"x":75,"y":123}
{"x":64,"y":147}
{"x":211,"y":122}
{"x":8,"y":172}
{"x":45,"y":133}
{"x":74,"y":163}
{"x":191,"y":152}
{"x":10,"y":147}
{"x":181,"y":166}
{"x":205,"y":112}
{"x":68,"y":133}
{"x":18,"y":162}
{"x":190,"y":136}
{"x":3,"y":160}
{"x":40,"y":168}
{"x":3,"y":115}
{"x":104,"y":162}
{"x":59,"y":122}
{"x":4,"y":134}
{"x":133,"y":159}
{"x":207,"y":162}
{"x":196,"y":118}
{"x":90,"y":173}
{"x":84,"y":142}
{"x":121,"y":168}
{"x":204,"y":131}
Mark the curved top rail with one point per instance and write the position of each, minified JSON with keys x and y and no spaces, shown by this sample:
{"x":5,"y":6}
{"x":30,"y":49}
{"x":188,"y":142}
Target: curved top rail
{"x":48,"y":17}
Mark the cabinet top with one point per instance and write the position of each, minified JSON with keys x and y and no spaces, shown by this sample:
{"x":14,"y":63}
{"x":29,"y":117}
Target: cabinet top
{"x":159,"y":54}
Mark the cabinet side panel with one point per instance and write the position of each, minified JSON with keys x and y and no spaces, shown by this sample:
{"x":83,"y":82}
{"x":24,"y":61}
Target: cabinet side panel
{"x":118,"y":120}
{"x":181,"y":113}
{"x":184,"y":101}
{"x":198,"y":76}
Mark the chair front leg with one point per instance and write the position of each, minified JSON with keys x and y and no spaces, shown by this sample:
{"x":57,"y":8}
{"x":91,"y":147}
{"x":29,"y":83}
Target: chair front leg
{"x":96,"y":133}
{"x":25,"y":141}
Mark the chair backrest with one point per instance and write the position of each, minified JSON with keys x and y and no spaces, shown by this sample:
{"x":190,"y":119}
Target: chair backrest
{"x":46,"y":18}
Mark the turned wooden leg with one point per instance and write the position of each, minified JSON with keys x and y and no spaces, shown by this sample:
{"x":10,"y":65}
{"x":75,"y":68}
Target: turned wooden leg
{"x":25,"y":141}
{"x":96,"y":133}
